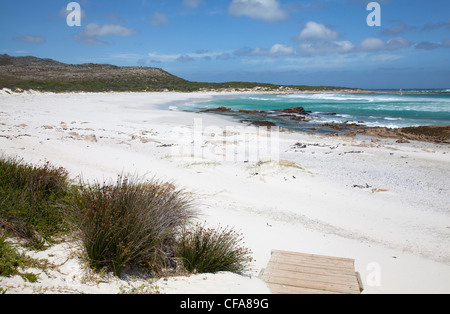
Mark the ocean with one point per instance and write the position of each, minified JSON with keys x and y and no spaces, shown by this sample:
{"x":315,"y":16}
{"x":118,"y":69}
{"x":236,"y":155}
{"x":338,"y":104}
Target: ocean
{"x":391,"y":110}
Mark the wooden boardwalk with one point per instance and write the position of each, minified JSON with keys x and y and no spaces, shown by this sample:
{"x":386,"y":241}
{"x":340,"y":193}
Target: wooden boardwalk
{"x":297,"y":273}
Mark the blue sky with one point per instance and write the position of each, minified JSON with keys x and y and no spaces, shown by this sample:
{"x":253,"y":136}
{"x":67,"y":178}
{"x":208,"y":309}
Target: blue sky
{"x":301,"y":42}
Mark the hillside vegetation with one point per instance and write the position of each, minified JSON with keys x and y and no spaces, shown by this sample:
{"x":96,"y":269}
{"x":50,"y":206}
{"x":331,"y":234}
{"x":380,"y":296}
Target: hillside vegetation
{"x":48,"y":75}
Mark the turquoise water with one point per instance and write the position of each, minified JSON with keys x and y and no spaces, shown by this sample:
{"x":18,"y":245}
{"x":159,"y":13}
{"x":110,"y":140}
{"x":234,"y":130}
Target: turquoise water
{"x":390,"y":110}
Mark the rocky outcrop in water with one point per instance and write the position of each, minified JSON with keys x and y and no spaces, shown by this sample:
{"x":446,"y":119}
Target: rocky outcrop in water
{"x":294,"y":110}
{"x":436,"y":134}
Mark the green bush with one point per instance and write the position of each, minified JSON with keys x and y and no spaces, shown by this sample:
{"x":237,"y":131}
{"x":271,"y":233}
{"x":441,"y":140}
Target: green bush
{"x":209,"y":250}
{"x":11,"y":260}
{"x":129,"y":222}
{"x":29,"y":197}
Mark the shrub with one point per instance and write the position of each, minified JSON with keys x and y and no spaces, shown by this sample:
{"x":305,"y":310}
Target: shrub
{"x":209,"y":250}
{"x":28,"y":200}
{"x":11,"y":260}
{"x":129,"y":222}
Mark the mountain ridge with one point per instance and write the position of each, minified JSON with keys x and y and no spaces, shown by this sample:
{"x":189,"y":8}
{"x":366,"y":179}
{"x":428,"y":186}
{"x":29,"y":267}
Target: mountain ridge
{"x":49,"y":75}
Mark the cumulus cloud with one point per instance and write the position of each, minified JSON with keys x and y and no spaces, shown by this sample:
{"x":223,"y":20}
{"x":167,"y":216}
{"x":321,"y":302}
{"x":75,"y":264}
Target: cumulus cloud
{"x":267,"y":10}
{"x":31,"y":39}
{"x":93,"y":29}
{"x":313,"y":30}
{"x":371,"y":44}
{"x":397,"y":43}
{"x":329,"y":47}
{"x":276,"y":50}
{"x":326,"y":47}
{"x":159,"y":19}
{"x":90,"y":33}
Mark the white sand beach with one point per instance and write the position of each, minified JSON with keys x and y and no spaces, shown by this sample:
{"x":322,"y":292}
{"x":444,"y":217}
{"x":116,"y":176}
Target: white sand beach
{"x":384,"y":204}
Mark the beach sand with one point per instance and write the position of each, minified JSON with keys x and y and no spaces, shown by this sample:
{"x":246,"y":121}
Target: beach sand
{"x":384,"y":204}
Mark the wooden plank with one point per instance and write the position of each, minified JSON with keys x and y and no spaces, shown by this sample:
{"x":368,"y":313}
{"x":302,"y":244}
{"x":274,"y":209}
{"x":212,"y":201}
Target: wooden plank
{"x":322,"y":287}
{"x":315,"y":277}
{"x":312,"y":256}
{"x":348,"y":262}
{"x":317,"y":259}
{"x":312,"y":284}
{"x":311,"y":270}
{"x":360,"y":283}
{"x":324,"y":265}
{"x":316,"y":263}
{"x":299,"y":273}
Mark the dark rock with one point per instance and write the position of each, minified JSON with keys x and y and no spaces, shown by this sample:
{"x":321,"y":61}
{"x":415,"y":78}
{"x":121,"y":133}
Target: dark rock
{"x":297,"y":110}
{"x":220,"y":109}
{"x":250,"y":111}
{"x":263,"y":123}
{"x":335,"y":126}
{"x":299,"y":145}
{"x":293,"y":117}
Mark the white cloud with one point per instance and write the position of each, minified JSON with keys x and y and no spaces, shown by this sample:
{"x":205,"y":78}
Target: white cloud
{"x":93,"y":30}
{"x":276,"y":50}
{"x":90,"y":33}
{"x":267,"y":10}
{"x":397,"y":43}
{"x":313,"y":30}
{"x":159,"y":19}
{"x":371,"y":44}
{"x":281,"y":50}
{"x":326,"y":47}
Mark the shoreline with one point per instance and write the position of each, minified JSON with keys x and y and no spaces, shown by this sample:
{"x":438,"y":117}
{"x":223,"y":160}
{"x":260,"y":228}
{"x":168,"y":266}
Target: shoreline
{"x":294,"y":119}
{"x":236,"y":91}
{"x":374,"y":201}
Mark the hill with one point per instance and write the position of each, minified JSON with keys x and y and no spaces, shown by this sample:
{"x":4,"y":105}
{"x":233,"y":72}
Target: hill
{"x":50,"y":75}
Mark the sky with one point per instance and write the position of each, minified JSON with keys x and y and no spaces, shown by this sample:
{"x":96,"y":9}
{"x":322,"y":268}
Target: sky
{"x":296,"y":42}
